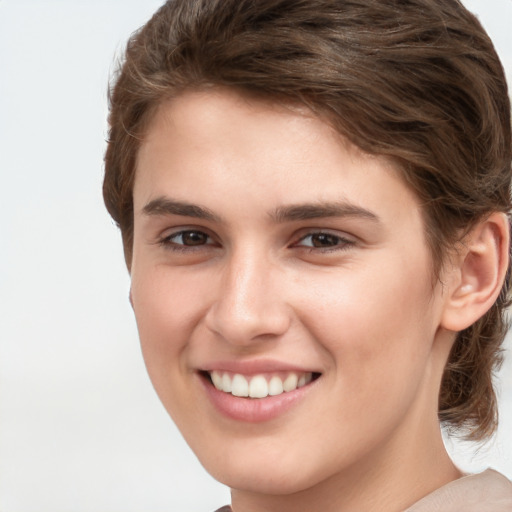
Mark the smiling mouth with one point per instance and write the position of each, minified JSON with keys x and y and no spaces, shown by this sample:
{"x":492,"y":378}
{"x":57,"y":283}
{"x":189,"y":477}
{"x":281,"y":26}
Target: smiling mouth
{"x":259,"y":386}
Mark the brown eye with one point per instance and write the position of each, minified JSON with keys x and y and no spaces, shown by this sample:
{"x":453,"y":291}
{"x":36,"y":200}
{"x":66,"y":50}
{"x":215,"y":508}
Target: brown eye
{"x":194,"y":238}
{"x":188,"y":238}
{"x":322,"y":240}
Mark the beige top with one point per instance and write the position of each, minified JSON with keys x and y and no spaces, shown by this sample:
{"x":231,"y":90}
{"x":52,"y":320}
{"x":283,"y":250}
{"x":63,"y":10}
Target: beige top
{"x":489,"y":491}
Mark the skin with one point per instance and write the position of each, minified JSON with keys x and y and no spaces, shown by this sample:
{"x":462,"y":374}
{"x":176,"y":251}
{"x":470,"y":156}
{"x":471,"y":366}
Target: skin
{"x":360,"y":308}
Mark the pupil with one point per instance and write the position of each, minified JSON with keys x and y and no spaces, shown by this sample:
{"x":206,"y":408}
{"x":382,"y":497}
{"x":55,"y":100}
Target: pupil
{"x":324,"y":240}
{"x":194,"y":238}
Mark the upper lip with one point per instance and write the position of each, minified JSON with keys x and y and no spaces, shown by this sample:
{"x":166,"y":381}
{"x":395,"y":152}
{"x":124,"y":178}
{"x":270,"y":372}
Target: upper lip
{"x":255,"y":366}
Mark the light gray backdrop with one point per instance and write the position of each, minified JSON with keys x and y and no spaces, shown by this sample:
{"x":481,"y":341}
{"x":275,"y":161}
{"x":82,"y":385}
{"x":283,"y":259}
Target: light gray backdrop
{"x":80,"y":427}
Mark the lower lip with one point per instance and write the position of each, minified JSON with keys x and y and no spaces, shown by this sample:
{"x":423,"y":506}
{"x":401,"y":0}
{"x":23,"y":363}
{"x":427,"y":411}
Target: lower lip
{"x":253,"y":410}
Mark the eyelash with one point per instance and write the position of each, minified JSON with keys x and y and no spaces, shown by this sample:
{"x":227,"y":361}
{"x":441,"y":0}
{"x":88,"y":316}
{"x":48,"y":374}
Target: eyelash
{"x":339,"y":243}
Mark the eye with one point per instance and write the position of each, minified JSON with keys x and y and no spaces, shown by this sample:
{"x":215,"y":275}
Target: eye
{"x":187,"y":238}
{"x":322,"y":240}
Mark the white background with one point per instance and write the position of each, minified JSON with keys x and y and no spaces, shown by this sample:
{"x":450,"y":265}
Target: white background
{"x":80,"y":426}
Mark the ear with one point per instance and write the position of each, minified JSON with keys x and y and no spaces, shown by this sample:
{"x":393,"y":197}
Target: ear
{"x":477,"y":273}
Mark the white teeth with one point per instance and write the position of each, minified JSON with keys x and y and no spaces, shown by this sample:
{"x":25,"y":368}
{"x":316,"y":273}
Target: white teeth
{"x":258,"y":386}
{"x":290,"y":382}
{"x":226,"y":383}
{"x":217,"y":380}
{"x":305,"y":379}
{"x":240,"y":386}
{"x":275,"y":386}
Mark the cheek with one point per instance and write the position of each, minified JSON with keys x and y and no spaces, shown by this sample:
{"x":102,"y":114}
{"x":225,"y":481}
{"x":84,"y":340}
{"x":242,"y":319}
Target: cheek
{"x":377,"y":327}
{"x":167,"y":307}
{"x":365,"y":301}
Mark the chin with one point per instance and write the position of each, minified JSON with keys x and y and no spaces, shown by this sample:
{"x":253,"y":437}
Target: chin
{"x":265,"y":473}
{"x":265,"y":481}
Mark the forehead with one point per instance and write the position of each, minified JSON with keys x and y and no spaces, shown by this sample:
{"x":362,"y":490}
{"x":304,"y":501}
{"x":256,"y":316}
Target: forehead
{"x":239,"y":117}
{"x":219,"y":143}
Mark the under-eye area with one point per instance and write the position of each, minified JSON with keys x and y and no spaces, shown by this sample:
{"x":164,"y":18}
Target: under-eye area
{"x":259,"y":385}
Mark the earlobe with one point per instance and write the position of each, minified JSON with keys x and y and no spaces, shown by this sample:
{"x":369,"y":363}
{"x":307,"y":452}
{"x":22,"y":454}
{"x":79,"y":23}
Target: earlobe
{"x":478,"y":273}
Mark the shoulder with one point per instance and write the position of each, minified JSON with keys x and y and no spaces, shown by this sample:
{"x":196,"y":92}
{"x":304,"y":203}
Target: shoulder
{"x":489,"y":491}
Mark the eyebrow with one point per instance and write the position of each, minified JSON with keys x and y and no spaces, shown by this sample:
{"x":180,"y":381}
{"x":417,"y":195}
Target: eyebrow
{"x":165,"y":206}
{"x":322,"y":210}
{"x":289,"y":213}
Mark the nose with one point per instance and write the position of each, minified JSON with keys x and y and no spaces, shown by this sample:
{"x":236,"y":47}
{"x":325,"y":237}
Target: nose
{"x":249,"y":304}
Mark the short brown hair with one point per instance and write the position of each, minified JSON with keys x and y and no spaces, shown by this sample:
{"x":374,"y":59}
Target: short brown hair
{"x":416,"y":80}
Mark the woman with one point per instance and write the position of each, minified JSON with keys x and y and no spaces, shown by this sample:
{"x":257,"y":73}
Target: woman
{"x":313,"y":198}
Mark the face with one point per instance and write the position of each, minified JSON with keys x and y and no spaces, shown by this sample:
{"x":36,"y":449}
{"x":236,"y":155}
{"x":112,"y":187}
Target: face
{"x":283,"y":293}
